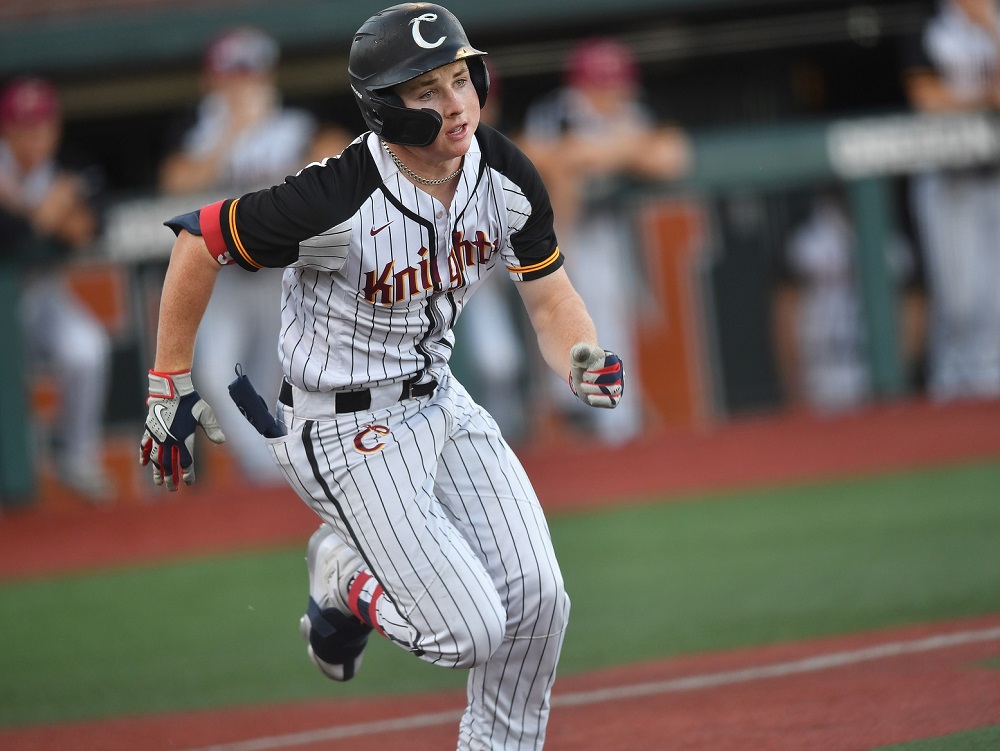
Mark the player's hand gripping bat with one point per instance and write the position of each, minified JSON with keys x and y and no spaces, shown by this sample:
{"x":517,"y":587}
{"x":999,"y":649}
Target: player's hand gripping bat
{"x":596,"y":375}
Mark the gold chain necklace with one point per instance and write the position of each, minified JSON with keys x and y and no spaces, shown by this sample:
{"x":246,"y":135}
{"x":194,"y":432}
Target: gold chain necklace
{"x":422,"y":180}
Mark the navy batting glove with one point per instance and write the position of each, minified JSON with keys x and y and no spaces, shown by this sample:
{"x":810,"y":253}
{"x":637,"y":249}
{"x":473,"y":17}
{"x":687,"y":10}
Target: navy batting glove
{"x":175,"y":412}
{"x":596,"y":376}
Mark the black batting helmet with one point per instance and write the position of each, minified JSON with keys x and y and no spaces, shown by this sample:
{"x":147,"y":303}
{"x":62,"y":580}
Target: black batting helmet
{"x":400,"y":43}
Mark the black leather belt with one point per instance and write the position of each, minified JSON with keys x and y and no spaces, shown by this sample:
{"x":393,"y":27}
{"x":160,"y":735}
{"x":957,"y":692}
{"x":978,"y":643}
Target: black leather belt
{"x":356,"y":401}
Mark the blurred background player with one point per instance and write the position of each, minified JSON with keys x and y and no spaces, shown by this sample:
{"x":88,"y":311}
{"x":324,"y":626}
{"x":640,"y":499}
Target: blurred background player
{"x":820,"y":328}
{"x":48,"y":213}
{"x":243,"y":138}
{"x":954,"y":66}
{"x":585,"y":138}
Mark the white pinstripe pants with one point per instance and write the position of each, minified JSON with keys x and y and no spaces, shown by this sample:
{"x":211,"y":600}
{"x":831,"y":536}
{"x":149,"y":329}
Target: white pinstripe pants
{"x":442,"y":513}
{"x":959,"y":220}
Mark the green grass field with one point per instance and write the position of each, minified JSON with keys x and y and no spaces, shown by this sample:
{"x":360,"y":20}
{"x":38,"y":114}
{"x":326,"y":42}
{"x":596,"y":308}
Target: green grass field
{"x":707,"y":573}
{"x":980,"y":739}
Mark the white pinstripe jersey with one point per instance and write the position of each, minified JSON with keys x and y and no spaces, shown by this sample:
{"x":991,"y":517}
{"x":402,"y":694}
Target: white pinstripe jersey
{"x":377,"y":270}
{"x":961,"y":52}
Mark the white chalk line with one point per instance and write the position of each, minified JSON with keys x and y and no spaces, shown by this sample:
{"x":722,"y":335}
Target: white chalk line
{"x":674,"y":685}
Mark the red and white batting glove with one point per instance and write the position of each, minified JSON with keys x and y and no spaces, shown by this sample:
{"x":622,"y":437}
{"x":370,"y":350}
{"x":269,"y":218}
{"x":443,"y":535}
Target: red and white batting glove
{"x":175,"y":412}
{"x":596,"y":376}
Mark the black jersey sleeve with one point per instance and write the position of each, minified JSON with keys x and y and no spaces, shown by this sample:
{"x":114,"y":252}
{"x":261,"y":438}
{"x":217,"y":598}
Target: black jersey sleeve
{"x":533,"y":238}
{"x":263,"y":229}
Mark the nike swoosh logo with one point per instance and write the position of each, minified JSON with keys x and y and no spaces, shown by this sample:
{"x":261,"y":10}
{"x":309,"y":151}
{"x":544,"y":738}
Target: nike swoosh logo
{"x":158,"y":414}
{"x":376,"y":231}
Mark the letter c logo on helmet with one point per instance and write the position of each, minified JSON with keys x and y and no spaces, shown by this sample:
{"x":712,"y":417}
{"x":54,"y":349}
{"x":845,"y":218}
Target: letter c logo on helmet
{"x":418,"y":37}
{"x":383,"y":56}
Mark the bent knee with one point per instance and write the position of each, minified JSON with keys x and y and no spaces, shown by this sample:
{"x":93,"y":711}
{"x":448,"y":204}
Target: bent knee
{"x":461,"y":638}
{"x":474,"y":645}
{"x":471,"y":642}
{"x":543,"y":608}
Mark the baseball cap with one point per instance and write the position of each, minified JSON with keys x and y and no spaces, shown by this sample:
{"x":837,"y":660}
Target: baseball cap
{"x":28,"y":101}
{"x":601,"y":62}
{"x":243,"y":49}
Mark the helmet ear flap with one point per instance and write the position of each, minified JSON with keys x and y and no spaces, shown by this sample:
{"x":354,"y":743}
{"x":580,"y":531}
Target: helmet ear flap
{"x":389,"y":97}
{"x":479,"y":74}
{"x":403,"y":125}
{"x":397,"y":123}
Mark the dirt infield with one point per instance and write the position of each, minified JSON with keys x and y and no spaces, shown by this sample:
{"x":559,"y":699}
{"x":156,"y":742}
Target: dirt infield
{"x":839,"y":694}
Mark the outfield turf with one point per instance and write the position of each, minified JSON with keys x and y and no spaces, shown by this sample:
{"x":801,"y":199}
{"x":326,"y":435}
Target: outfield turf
{"x":704,"y":574}
{"x":980,"y":739}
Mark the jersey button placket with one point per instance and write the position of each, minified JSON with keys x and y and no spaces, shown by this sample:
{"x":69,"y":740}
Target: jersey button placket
{"x":442,"y":227}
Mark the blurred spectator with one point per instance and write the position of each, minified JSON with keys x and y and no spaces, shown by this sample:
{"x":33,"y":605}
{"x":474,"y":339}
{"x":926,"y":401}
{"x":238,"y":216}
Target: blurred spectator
{"x":952,"y":66}
{"x":47,"y":213}
{"x":243,"y":138}
{"x":821,"y":334}
{"x":330,"y":140}
{"x":585,"y":138}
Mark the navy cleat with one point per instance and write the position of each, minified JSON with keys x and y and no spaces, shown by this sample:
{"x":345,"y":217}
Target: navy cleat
{"x":335,"y":636}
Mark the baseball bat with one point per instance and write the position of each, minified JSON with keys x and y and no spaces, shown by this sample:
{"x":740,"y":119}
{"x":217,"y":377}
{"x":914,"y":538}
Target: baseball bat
{"x":584,"y":355}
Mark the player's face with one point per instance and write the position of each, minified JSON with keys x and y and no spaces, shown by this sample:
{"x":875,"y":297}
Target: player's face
{"x":449,"y":91}
{"x":32,"y":144}
{"x":611,"y":100}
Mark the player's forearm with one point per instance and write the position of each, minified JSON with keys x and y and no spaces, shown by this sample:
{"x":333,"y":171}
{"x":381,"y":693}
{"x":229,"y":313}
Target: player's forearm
{"x":64,"y":213}
{"x":661,"y":154}
{"x":559,"y":318}
{"x":928,"y":94}
{"x":186,"y":291}
{"x":570,"y":325}
{"x":183,"y":174}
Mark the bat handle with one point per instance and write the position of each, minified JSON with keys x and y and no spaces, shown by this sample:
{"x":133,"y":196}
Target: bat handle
{"x":584,"y":355}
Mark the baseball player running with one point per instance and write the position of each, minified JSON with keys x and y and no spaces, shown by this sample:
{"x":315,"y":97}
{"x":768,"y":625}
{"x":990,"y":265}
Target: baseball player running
{"x":431,"y":533}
